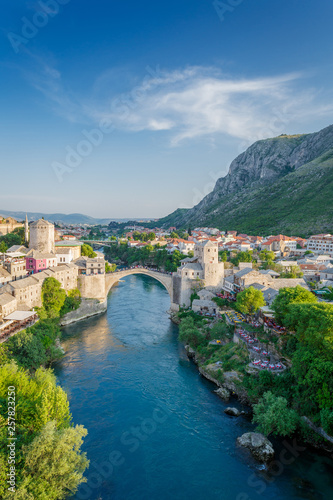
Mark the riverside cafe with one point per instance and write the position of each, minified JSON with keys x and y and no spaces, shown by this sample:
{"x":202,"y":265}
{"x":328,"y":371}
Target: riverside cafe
{"x":16,"y":321}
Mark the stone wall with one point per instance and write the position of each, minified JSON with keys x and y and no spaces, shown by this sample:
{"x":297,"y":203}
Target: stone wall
{"x":92,"y":287}
{"x":88,"y":308}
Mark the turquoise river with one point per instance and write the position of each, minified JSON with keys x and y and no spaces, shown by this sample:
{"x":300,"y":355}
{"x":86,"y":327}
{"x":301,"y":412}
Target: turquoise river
{"x":156,"y":429}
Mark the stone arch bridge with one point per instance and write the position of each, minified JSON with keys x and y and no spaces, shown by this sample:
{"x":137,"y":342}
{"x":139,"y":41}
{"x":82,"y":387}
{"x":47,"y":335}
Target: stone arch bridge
{"x":164,"y":278}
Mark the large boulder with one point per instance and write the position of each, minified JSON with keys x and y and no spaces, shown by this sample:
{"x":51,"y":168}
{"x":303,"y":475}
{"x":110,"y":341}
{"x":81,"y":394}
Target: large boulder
{"x":260,"y":447}
{"x":223,"y":393}
{"x":233,"y":412}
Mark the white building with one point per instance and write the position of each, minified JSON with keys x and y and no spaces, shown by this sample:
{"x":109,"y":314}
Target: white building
{"x":320,"y":243}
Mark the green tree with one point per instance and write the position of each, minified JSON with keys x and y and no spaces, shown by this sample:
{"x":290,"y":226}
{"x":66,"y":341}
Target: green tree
{"x":11,"y":239}
{"x":242,"y":257}
{"x":35,"y":346}
{"x":87,"y":251}
{"x":54,"y":465}
{"x":53,"y":297}
{"x":273,"y":415}
{"x":223,"y":256}
{"x":295,"y":272}
{"x":267,"y":255}
{"x":72,"y":301}
{"x":110,"y":268}
{"x":3,"y":247}
{"x":250,"y":300}
{"x":287,"y":296}
{"x":151,"y":236}
{"x":190,"y":334}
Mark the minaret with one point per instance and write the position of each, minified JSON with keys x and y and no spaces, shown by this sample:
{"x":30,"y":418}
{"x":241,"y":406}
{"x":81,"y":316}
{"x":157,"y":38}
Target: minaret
{"x":26,"y":229}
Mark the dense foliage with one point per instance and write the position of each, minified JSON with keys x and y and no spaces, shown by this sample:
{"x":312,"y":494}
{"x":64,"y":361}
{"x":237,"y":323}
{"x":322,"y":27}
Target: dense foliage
{"x":10,"y":239}
{"x":250,"y":300}
{"x":306,"y":389}
{"x":242,"y":257}
{"x":87,"y":251}
{"x":49,"y":463}
{"x":308,"y":386}
{"x":273,"y":415}
{"x":53,"y":297}
{"x":147,"y":255}
{"x":35,"y":346}
{"x":289,"y":296}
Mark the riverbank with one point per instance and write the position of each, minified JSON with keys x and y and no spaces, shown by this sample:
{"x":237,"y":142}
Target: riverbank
{"x":225,"y":364}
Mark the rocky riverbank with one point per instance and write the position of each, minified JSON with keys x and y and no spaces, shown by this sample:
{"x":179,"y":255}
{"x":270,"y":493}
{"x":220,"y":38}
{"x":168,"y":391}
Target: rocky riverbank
{"x":230,"y":383}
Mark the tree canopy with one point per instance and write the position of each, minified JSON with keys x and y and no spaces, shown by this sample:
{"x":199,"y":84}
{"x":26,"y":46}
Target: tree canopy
{"x":250,"y":300}
{"x":287,"y":296}
{"x":273,"y":415}
{"x":242,"y":257}
{"x":87,"y":251}
{"x":53,"y":297}
{"x":49,"y":463}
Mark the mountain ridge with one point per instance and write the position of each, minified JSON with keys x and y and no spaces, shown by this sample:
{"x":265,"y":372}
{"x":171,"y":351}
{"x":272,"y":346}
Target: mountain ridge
{"x":257,"y":174}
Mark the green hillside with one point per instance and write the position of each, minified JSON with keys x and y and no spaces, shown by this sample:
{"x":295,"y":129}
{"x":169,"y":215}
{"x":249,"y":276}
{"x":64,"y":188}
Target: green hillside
{"x":300,"y":203}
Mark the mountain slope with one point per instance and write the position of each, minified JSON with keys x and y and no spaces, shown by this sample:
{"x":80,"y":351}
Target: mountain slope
{"x":283,"y":184}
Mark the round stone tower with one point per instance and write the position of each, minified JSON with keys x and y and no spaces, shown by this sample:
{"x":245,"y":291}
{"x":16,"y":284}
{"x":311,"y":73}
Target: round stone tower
{"x":42,"y":236}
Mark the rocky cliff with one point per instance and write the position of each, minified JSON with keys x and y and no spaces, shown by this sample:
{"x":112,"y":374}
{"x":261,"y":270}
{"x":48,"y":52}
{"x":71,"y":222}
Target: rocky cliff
{"x":272,"y":176}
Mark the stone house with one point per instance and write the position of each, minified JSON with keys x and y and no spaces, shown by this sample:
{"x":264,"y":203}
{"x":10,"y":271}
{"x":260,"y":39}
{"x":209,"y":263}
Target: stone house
{"x":8,"y":304}
{"x":326,"y":274}
{"x":204,"y":306}
{"x":5,"y":277}
{"x":15,"y":266}
{"x":64,"y":255}
{"x":26,"y":291}
{"x":37,"y":261}
{"x":75,"y":247}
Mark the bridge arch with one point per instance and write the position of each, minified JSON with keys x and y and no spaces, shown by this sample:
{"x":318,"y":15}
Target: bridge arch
{"x":165,"y":279}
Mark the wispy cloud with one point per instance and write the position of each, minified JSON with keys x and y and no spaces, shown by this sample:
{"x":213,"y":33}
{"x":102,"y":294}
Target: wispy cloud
{"x":190,"y":103}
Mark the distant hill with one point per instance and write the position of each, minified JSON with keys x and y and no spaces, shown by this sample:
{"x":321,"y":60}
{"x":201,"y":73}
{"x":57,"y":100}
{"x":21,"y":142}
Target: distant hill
{"x":58,"y":217}
{"x":279,"y":185}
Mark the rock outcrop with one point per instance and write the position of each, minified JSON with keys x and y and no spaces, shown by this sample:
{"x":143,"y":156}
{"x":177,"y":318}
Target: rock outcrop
{"x":233,"y":412}
{"x":295,"y":160}
{"x":223,"y":393}
{"x":259,"y":446}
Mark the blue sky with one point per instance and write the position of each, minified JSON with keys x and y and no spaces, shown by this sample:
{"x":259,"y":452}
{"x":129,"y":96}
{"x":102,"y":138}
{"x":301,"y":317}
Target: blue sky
{"x":133,"y":109}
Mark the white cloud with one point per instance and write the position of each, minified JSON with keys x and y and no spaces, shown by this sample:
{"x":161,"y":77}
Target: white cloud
{"x":191,"y":103}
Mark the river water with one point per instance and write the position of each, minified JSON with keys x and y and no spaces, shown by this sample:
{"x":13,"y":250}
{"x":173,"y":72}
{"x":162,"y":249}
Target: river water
{"x":156,"y":429}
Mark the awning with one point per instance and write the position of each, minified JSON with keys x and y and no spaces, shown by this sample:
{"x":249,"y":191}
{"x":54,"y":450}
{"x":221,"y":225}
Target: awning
{"x":20,"y":315}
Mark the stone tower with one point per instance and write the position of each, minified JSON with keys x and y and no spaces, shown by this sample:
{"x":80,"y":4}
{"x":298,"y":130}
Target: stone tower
{"x":207,"y":254}
{"x":26,"y":229}
{"x":42,"y":236}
